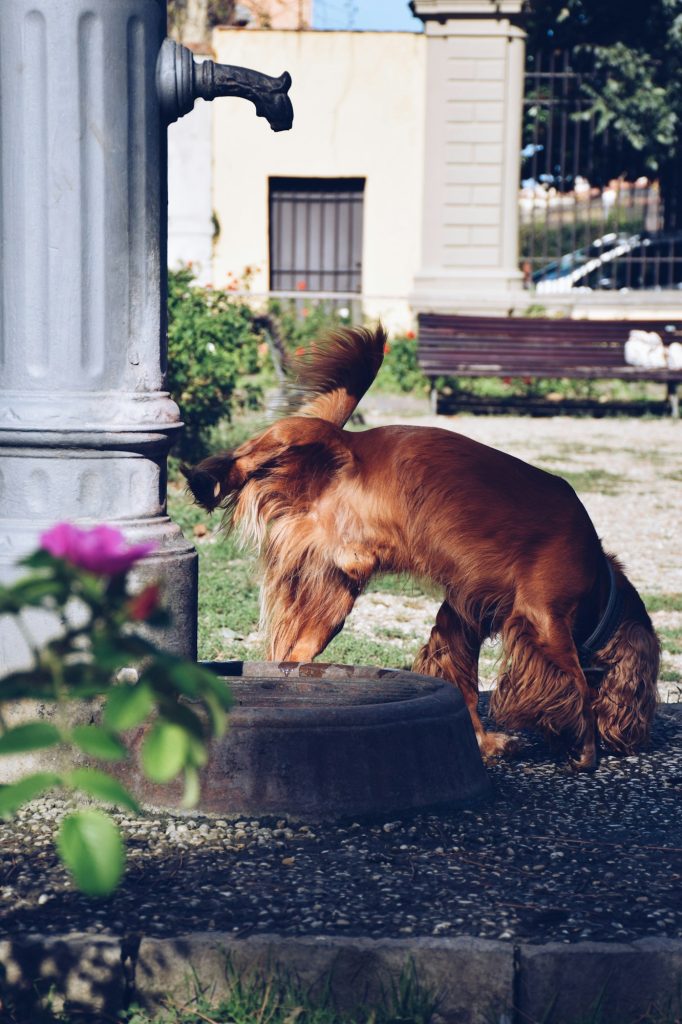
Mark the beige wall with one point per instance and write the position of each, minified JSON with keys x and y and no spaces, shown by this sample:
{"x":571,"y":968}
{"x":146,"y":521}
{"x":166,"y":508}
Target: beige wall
{"x":359,"y":112}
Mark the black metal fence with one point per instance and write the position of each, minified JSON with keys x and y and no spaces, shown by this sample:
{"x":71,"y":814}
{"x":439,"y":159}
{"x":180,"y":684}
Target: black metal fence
{"x":591,"y":214}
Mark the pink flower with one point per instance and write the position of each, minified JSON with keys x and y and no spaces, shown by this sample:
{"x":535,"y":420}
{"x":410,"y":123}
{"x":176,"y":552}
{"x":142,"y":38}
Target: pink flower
{"x":101,"y":550}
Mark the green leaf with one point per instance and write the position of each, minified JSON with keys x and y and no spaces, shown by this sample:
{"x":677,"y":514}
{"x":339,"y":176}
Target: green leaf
{"x":219,"y":688}
{"x":164,"y":752}
{"x":91,"y":588}
{"x":197,"y":755}
{"x":217,"y":714}
{"x":127,"y":706}
{"x":120,"y":650}
{"x":31,"y":736}
{"x":172,"y":711}
{"x":108,"y":654}
{"x":91,"y":847}
{"x":94,"y":740}
{"x":192,"y":788}
{"x":8,"y":602}
{"x":85,"y":679}
{"x":102,"y":786}
{"x":169,"y":673}
{"x":33,"y":590}
{"x":41,"y":559}
{"x":18,"y":793}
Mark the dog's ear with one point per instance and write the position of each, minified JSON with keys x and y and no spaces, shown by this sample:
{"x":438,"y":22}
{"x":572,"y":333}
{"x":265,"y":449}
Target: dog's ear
{"x":209,"y":482}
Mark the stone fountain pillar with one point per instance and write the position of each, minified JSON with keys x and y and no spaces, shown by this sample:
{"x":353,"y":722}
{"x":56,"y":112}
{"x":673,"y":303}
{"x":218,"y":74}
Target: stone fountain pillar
{"x":87,"y":88}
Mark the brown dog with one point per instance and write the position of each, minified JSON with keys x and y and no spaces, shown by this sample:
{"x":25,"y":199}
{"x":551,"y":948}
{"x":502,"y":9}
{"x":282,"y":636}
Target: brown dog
{"x":512,"y":546}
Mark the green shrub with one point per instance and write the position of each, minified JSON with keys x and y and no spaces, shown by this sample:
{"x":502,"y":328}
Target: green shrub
{"x":400,"y":370}
{"x":213,"y":357}
{"x":552,"y":388}
{"x":301,"y":321}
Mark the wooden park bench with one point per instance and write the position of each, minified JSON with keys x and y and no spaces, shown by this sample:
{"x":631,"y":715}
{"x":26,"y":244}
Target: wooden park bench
{"x":488,"y":346}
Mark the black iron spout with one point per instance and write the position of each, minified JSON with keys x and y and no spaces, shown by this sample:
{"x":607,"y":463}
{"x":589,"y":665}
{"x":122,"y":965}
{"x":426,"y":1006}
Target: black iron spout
{"x":180,"y":80}
{"x":269,"y":95}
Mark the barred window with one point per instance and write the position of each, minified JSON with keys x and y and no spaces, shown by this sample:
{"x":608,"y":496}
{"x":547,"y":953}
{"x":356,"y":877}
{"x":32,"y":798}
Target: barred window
{"x":316,"y":234}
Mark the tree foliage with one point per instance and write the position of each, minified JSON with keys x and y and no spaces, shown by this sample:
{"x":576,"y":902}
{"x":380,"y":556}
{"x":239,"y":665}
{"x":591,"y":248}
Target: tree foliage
{"x":634,"y":52}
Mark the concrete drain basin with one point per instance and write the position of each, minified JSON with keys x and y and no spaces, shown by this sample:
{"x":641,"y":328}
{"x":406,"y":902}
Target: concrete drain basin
{"x":316,"y":742}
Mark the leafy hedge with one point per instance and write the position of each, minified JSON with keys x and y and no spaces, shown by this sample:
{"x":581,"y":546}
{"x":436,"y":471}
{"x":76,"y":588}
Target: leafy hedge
{"x":213,"y":359}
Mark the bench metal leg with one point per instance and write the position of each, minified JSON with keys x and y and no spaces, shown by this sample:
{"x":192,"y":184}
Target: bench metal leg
{"x":433,"y":399}
{"x":674,"y":399}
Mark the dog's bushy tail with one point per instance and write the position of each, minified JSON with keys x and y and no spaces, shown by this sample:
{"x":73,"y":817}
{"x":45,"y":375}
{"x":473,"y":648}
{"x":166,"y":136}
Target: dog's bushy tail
{"x":263,"y":478}
{"x":330,"y":379}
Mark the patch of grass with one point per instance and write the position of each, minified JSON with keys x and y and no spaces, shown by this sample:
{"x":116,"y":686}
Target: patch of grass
{"x":398,"y":583}
{"x":282,"y":999}
{"x":564,"y":448}
{"x":671,"y":640}
{"x":662,"y":602}
{"x":599,"y":481}
{"x":274,"y":998}
{"x":555,"y":389}
{"x":229,"y":596}
{"x":347,"y":649}
{"x":391,"y":633}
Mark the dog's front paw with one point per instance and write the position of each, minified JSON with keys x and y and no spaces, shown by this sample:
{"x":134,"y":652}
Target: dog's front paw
{"x":494,"y":745}
{"x":584,"y":760}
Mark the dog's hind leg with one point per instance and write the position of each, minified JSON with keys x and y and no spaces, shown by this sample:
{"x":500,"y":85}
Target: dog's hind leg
{"x":451,"y":653}
{"x":544,"y":686}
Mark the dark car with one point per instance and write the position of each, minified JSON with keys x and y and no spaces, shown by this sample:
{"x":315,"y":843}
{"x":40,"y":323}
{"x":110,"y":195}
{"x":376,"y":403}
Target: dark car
{"x":617,"y":262}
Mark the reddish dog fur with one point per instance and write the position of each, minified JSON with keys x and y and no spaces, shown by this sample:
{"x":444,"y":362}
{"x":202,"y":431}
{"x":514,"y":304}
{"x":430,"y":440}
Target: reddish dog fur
{"x":511,"y":545}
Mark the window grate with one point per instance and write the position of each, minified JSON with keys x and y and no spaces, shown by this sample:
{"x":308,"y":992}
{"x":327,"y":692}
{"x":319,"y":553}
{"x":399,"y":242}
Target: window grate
{"x":316,"y":234}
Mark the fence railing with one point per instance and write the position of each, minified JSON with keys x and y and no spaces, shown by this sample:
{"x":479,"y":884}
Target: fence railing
{"x":591,"y":216}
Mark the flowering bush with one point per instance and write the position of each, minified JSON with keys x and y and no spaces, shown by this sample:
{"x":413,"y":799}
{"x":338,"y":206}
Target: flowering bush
{"x":81,"y":577}
{"x":212,"y":357}
{"x":300,"y":326}
{"x":400,"y":370}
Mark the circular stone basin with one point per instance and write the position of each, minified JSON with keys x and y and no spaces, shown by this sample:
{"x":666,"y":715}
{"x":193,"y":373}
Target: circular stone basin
{"x":316,"y":742}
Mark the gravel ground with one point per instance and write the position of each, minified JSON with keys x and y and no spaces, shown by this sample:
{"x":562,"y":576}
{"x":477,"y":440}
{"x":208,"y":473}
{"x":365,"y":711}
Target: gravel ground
{"x":553,"y":856}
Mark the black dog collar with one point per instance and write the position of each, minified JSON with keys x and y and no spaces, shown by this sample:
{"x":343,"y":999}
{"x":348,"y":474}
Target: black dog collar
{"x":607,"y":625}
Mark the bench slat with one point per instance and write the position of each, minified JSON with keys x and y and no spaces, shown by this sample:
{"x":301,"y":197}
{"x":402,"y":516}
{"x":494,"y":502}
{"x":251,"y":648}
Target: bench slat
{"x":463,"y":346}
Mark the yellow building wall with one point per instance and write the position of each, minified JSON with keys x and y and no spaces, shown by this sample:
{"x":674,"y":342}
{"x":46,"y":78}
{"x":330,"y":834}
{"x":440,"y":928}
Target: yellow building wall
{"x":358,"y":112}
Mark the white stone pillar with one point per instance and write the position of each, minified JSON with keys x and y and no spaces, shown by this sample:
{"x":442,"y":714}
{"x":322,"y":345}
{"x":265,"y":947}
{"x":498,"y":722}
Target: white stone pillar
{"x":474,"y":96}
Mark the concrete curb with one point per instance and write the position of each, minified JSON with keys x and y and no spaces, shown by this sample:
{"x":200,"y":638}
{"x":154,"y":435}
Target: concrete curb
{"x":476,"y":981}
